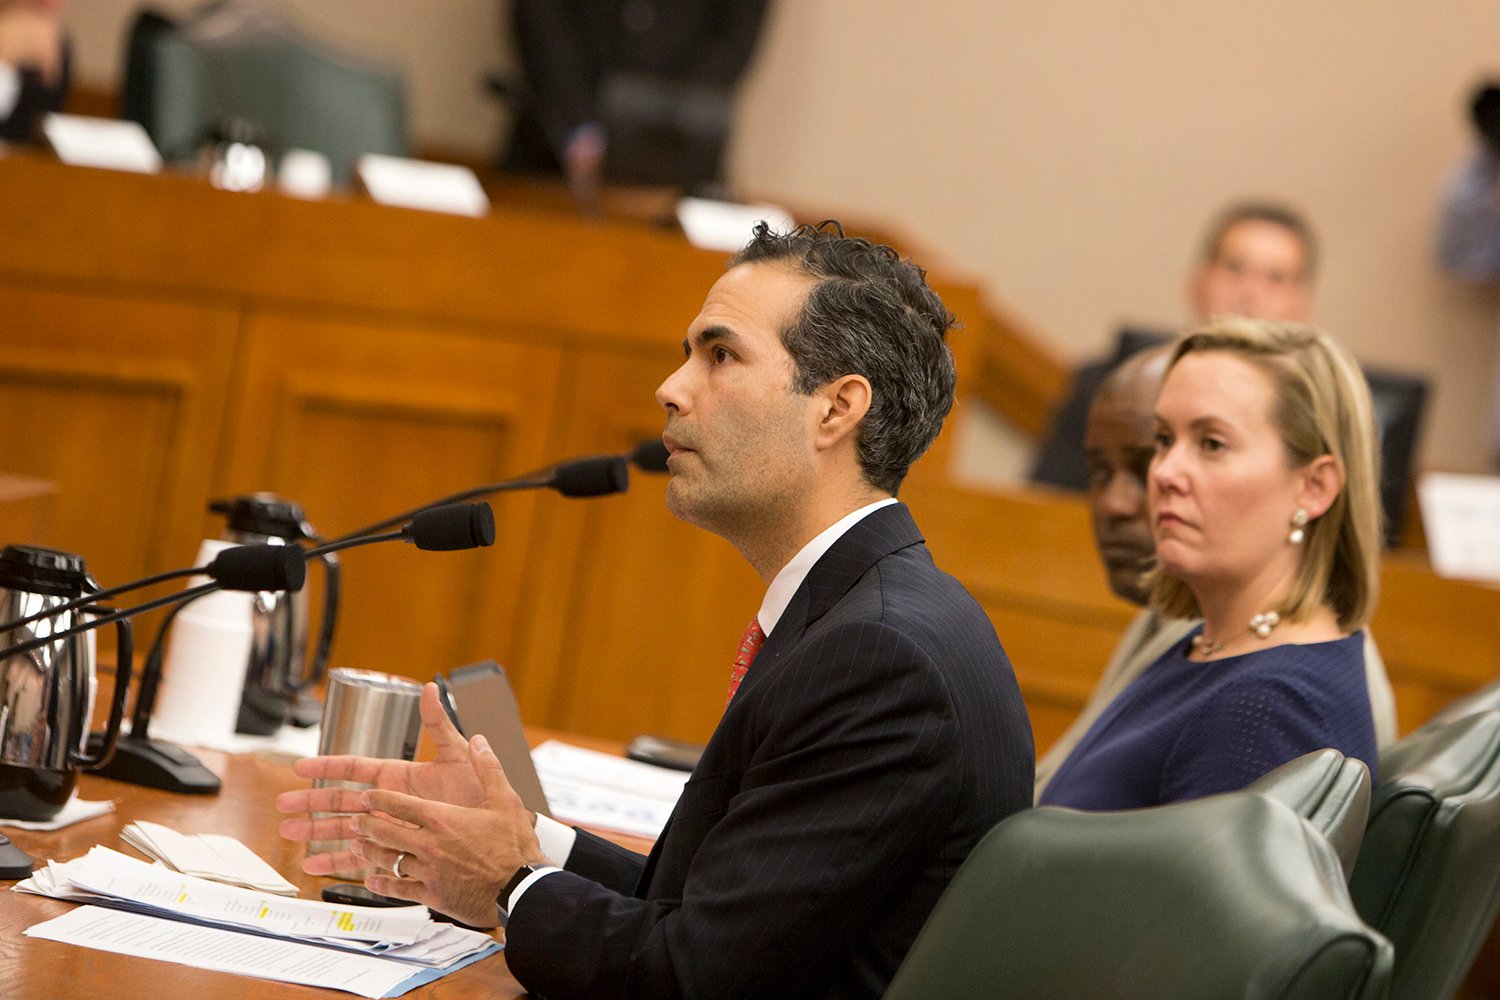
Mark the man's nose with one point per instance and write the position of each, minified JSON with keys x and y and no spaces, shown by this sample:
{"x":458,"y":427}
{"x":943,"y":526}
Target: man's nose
{"x":672,"y":393}
{"x":1124,"y":495}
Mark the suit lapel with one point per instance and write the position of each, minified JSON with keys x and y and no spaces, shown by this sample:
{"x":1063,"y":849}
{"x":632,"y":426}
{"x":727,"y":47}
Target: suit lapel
{"x":876,"y":536}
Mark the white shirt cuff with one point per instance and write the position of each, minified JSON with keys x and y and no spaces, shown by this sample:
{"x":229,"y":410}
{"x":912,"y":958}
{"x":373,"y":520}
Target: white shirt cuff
{"x":556,"y":840}
{"x":526,"y":883}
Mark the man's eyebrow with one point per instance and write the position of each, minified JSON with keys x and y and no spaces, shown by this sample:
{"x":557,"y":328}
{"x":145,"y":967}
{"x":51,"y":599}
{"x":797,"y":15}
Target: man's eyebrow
{"x":709,"y":335}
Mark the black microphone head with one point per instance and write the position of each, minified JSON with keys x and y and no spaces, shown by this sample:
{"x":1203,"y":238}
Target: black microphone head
{"x":592,"y":477}
{"x":649,"y":456}
{"x":259,"y":567}
{"x":452,"y":527}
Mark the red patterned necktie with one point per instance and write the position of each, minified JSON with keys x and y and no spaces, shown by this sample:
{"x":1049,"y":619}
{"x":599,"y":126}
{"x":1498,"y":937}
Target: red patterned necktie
{"x":750,"y":644}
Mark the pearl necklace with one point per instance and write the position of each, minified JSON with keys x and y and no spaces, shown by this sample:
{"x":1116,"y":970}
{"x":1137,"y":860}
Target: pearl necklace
{"x":1260,"y":626}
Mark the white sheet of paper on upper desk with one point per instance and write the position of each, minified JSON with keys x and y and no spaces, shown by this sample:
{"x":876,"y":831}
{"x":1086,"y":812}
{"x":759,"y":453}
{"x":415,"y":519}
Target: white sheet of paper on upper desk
{"x":1461,"y":518}
{"x":602,"y":790}
{"x":222,"y":950}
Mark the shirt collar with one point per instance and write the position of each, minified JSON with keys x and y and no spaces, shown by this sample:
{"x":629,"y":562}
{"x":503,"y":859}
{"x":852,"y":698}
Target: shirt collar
{"x":780,"y":593}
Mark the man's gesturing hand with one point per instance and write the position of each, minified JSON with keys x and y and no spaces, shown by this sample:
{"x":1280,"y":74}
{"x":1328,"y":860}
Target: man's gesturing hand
{"x":457,"y":858}
{"x":449,"y":777}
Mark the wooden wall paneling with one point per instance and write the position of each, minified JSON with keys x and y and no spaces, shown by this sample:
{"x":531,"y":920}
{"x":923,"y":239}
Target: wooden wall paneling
{"x":966,"y":342}
{"x":1440,"y":638}
{"x":360,"y":422}
{"x":28,"y":509}
{"x":119,"y":402}
{"x":631,"y":616}
{"x":619,"y":282}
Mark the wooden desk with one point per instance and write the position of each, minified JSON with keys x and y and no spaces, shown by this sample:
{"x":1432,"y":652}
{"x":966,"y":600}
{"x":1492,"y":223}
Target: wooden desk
{"x":44,"y":970}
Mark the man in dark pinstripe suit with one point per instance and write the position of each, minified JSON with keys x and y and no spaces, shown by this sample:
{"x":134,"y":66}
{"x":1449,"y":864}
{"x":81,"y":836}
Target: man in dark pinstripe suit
{"x":877,"y":734}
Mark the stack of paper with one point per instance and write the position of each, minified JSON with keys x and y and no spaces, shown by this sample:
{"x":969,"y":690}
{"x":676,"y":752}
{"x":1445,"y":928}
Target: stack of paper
{"x":372,"y":951}
{"x":206,"y":855}
{"x":603,"y":790}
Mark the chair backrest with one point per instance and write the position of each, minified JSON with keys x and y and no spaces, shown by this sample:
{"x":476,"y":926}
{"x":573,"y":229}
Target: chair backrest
{"x":182,"y":81}
{"x":1330,"y":791}
{"x":1428,"y":875}
{"x":1485,"y":699}
{"x":1232,"y":896}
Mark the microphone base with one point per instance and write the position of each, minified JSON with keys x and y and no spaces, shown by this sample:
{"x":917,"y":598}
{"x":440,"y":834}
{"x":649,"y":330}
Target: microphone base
{"x":156,"y":764}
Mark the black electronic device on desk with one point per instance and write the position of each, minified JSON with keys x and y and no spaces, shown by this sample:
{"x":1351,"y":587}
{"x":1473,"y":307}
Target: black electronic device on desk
{"x":14,"y":862}
{"x":663,"y":751}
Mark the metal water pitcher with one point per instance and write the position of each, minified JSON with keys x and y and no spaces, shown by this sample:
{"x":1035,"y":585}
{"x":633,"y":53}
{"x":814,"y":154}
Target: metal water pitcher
{"x":46,"y":695}
{"x":279,"y":669}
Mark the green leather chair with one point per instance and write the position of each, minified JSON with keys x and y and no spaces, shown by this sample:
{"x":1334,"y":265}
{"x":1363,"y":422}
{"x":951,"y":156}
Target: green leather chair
{"x":1330,"y":791}
{"x":183,"y":80}
{"x":1232,"y":896}
{"x":1428,"y":875}
{"x":1483,"y":700}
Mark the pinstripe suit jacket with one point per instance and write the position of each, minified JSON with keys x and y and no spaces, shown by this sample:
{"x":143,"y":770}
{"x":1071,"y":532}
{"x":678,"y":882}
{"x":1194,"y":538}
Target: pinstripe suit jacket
{"x":877,"y":737}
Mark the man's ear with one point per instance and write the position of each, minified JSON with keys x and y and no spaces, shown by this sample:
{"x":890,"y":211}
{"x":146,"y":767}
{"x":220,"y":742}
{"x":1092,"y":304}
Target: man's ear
{"x":1322,"y":479}
{"x":843,"y":403}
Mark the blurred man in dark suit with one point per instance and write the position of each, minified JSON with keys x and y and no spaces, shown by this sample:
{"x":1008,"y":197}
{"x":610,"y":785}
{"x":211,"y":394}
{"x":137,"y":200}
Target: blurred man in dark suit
{"x":634,"y":90}
{"x":1257,"y":260}
{"x":874,"y":729}
{"x":34,"y":65}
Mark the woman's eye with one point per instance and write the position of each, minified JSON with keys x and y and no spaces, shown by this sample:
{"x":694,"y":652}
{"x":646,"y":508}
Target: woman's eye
{"x":1212,"y":444}
{"x":1162,"y":440}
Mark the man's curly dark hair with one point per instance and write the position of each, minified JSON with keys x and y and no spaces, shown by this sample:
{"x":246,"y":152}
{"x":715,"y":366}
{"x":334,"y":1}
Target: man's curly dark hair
{"x":872,"y":314}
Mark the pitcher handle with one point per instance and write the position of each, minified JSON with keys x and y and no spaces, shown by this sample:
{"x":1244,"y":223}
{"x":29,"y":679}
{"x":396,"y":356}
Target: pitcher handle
{"x":124,"y":655}
{"x":319,"y":665}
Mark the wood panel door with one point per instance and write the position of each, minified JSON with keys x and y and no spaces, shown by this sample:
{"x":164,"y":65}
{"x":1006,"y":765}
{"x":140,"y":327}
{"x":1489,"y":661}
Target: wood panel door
{"x":360,"y":422}
{"x":118,"y":401}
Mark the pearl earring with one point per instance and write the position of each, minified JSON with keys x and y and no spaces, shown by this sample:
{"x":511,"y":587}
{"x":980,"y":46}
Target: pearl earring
{"x":1299,"y":523}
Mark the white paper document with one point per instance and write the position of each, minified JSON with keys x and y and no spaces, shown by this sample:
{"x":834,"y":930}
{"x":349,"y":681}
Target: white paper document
{"x":206,"y":855}
{"x":372,"y":951}
{"x":101,"y":142}
{"x":225,"y":951}
{"x":153,"y":888}
{"x":602,"y":790}
{"x":1461,"y":517}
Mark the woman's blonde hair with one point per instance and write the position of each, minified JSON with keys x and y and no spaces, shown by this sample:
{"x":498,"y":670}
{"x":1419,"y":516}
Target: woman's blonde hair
{"x":1322,"y":407}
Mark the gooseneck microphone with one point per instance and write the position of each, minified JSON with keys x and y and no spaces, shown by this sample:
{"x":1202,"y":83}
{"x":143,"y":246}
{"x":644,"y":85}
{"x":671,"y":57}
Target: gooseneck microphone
{"x":448,"y":528}
{"x":592,"y":476}
{"x":597,"y":476}
{"x":259,"y":567}
{"x":650,"y":456}
{"x":452,"y":528}
{"x":141,"y":760}
{"x":242,"y":567}
{"x":247,"y":567}
{"x":284,"y":567}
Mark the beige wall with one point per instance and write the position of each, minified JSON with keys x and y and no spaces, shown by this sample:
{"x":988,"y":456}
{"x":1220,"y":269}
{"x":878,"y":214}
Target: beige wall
{"x":1068,"y":153}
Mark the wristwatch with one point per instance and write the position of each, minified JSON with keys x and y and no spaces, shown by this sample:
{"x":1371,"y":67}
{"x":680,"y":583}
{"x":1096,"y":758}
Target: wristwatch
{"x":522,"y":874}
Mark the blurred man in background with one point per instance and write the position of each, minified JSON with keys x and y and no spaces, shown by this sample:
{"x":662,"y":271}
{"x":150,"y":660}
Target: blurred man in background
{"x":34,"y":65}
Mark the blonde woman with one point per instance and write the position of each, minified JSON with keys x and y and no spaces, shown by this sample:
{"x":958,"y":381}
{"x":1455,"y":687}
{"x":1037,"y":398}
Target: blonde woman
{"x":1265,"y":512}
